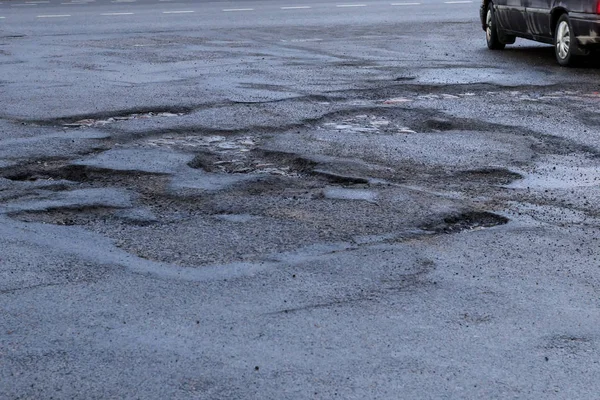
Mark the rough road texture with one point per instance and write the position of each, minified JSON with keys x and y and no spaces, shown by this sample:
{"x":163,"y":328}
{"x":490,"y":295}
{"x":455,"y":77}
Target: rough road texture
{"x":245,"y":216}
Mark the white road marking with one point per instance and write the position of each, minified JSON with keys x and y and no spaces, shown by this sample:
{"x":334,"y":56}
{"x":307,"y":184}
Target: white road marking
{"x":296,"y":8}
{"x":405,"y":4}
{"x":238,"y":9}
{"x":21,"y":5}
{"x":123,"y":1}
{"x":351,"y":5}
{"x":2,"y":17}
{"x":36,"y":2}
{"x":54,"y":16}
{"x":177,"y":12}
{"x":301,"y":40}
{"x":118,"y":13}
{"x":457,"y":2}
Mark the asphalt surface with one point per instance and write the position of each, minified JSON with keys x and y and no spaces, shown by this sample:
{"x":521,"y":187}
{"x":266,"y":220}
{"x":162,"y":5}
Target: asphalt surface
{"x":292,"y":200}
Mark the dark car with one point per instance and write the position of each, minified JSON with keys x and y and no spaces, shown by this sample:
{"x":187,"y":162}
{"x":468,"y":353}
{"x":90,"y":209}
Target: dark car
{"x":572,"y":26}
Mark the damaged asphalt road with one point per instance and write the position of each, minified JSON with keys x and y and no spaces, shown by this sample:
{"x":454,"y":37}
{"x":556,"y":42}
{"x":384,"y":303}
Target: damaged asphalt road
{"x":296,"y":209}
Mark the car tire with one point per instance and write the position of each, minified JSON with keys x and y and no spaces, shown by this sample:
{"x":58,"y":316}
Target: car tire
{"x":491,"y":31}
{"x":564,"y":42}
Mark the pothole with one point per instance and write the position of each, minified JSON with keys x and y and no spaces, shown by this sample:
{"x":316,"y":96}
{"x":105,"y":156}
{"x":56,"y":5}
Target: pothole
{"x":365,"y":123}
{"x":25,"y":176}
{"x":33,"y":171}
{"x":255,"y":161}
{"x":468,"y":221}
{"x":498,"y":176}
{"x":439,"y":124}
{"x":67,"y":216}
{"x":92,"y":122}
{"x":215,"y":143}
{"x":397,"y":120}
{"x":57,"y":176}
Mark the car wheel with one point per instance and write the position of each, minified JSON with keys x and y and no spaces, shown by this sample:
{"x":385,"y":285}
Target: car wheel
{"x":564,"y":41}
{"x":491,"y":31}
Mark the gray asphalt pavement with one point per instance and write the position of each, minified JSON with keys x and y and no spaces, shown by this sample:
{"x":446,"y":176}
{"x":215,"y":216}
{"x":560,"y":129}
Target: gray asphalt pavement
{"x":292,"y":200}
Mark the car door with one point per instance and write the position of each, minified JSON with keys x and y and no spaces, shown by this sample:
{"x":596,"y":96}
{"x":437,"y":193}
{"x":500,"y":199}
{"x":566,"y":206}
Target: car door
{"x":501,"y":11}
{"x":538,"y":17}
{"x":511,"y":15}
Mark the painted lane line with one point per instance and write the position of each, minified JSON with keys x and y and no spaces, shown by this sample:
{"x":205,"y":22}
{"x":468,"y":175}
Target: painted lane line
{"x":37,"y":2}
{"x":177,"y":12}
{"x":237,"y":9}
{"x":2,"y":17}
{"x":54,"y":16}
{"x":301,"y":40}
{"x":123,"y":1}
{"x":22,"y":5}
{"x":405,"y":4}
{"x":457,"y":2}
{"x":351,"y":5}
{"x":118,"y":13}
{"x":296,"y":8}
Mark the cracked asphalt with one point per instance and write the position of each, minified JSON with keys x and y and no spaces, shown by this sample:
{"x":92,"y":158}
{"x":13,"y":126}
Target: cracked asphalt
{"x":251,"y":200}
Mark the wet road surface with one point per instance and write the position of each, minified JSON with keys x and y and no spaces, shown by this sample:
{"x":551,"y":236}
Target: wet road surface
{"x":284,"y":202}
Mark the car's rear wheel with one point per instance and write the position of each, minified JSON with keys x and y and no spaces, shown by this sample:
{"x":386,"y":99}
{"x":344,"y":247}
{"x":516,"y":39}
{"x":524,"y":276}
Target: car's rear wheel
{"x":564,"y":41}
{"x":491,"y":31}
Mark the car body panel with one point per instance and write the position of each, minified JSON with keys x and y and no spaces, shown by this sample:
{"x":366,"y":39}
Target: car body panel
{"x":536,"y":20}
{"x":539,"y":17}
{"x":511,"y":15}
{"x":586,"y":28}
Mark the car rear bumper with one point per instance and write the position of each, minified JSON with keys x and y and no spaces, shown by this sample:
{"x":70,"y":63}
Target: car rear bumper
{"x":586,"y":28}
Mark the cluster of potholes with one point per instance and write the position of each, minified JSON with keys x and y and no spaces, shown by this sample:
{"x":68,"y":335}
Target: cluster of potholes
{"x":246,"y":154}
